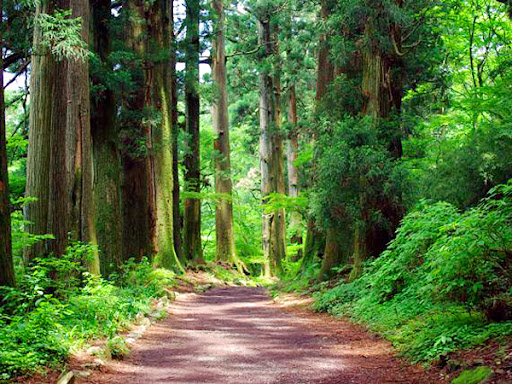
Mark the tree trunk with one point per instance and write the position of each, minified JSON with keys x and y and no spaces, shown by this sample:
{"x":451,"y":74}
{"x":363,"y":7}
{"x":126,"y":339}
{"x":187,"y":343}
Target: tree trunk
{"x":273,"y":263}
{"x":175,"y":134}
{"x":148,"y":179}
{"x":192,"y":206}
{"x":162,"y":176}
{"x":59,"y":164}
{"x":279,"y":187}
{"x":382,"y":87}
{"x":107,"y":164}
{"x":325,"y":77}
{"x":293,"y":172}
{"x":81,"y":159}
{"x":137,"y":208}
{"x":6,"y":265}
{"x":225,"y":242}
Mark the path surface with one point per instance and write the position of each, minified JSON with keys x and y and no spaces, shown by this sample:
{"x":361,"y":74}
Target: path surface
{"x":239,"y":336}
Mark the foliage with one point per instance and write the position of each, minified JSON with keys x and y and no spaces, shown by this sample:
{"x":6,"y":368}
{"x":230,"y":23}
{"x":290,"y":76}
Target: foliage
{"x":43,"y":319}
{"x":473,"y":376}
{"x":61,"y":34}
{"x":428,"y":292}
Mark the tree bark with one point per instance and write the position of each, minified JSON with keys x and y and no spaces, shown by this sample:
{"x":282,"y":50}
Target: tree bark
{"x":279,"y":187}
{"x":59,"y":164}
{"x":325,"y":76}
{"x":148,"y":178}
{"x":107,"y":163}
{"x":162,"y":177}
{"x":225,"y":241}
{"x":177,"y":218}
{"x":382,"y":87}
{"x":267,"y":123}
{"x":137,"y":202}
{"x":293,"y":172}
{"x":7,"y":277}
{"x":192,"y":206}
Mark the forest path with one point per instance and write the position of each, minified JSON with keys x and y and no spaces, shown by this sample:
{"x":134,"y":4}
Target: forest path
{"x":240,"y":336}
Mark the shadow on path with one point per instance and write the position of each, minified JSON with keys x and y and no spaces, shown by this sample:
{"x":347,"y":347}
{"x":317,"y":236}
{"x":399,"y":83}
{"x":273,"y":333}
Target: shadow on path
{"x":238,"y":336}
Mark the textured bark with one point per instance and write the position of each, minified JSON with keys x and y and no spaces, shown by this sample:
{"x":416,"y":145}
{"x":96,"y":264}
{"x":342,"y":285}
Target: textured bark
{"x":162,"y":176}
{"x":225,"y":241}
{"x":59,"y":164}
{"x":192,"y":206}
{"x":293,"y":173}
{"x":265,"y":145}
{"x":6,"y":265}
{"x":148,"y":178}
{"x":279,"y":223}
{"x":137,"y":208}
{"x":325,"y":76}
{"x":267,"y":121}
{"x":107,"y":165}
{"x":336,"y":252}
{"x":175,"y":156}
{"x":79,"y":128}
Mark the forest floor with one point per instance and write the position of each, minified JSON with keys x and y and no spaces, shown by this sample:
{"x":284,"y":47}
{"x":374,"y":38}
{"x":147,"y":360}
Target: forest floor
{"x":240,"y":335}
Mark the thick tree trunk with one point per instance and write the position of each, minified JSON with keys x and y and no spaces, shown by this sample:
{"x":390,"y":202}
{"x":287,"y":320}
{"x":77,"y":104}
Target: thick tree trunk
{"x":6,"y":265}
{"x":279,"y":223}
{"x":293,"y":172}
{"x":175,"y":134}
{"x":192,"y":206}
{"x":79,"y":127}
{"x":107,"y":164}
{"x":225,"y":241}
{"x":382,"y":87}
{"x":162,"y":176}
{"x":148,"y":178}
{"x":266,"y":104}
{"x":59,"y":164}
{"x":325,"y":76}
{"x":137,"y":208}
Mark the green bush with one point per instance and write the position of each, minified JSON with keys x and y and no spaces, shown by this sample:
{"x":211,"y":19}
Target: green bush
{"x":443,"y":284}
{"x":44,"y":319}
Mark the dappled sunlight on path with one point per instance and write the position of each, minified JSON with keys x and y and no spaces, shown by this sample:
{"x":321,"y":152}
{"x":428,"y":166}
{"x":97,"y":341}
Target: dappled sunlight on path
{"x":238,"y":335}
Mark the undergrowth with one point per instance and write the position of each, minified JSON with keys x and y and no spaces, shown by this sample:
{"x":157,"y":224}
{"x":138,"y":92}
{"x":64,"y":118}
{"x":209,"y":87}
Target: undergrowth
{"x":58,"y":307}
{"x":444,"y":283}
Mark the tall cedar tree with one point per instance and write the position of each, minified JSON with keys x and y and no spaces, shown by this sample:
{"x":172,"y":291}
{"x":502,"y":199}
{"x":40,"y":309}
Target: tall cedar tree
{"x":225,"y":241}
{"x":192,"y":206}
{"x":59,"y":164}
{"x":175,"y":135}
{"x":325,"y":77}
{"x":279,"y":184}
{"x":292,"y":152}
{"x":6,"y":264}
{"x":271,"y":151}
{"x":149,"y":173}
{"x":105,"y":134}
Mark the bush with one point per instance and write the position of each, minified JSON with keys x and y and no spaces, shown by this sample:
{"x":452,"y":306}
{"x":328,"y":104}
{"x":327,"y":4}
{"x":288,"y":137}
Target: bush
{"x":43,"y":319}
{"x":442,"y":284}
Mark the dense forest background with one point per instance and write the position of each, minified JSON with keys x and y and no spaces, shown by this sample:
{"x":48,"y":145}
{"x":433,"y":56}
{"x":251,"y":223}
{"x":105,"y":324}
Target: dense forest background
{"x":361,"y":149}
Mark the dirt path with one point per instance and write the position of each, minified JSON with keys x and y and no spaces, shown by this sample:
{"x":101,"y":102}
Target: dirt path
{"x":239,"y":336}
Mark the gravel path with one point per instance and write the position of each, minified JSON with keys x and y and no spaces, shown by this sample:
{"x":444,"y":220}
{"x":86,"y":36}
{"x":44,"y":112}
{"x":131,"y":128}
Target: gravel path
{"x":239,"y":336}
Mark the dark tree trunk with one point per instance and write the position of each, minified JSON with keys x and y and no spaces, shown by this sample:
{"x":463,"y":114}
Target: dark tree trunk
{"x":192,"y":206}
{"x":107,"y":165}
{"x":6,"y":264}
{"x":177,"y":218}
{"x":225,"y":241}
{"x":293,"y":172}
{"x":267,"y":119}
{"x":137,"y":205}
{"x":59,"y":164}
